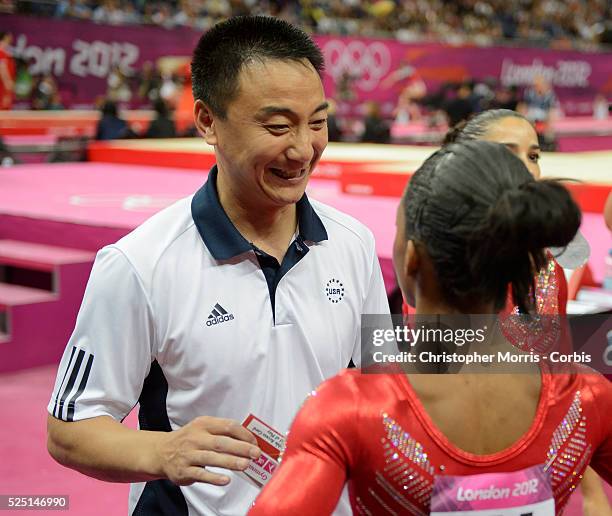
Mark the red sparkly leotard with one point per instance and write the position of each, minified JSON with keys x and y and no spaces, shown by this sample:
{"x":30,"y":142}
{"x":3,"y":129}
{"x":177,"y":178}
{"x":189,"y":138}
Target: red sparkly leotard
{"x":551,"y":299}
{"x":372,"y":432}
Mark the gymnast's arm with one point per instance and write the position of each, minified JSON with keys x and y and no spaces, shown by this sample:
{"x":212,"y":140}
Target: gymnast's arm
{"x":318,"y":457}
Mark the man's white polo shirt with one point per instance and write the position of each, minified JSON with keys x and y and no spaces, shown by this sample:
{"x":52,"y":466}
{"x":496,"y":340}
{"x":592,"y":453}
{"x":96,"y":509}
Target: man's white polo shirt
{"x":187,"y":318}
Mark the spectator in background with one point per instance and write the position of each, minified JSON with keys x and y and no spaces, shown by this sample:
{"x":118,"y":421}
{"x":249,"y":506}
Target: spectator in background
{"x":406,"y":110}
{"x":413,"y":90}
{"x":110,"y":12}
{"x":7,"y":72}
{"x":540,"y":101}
{"x":553,"y":22}
{"x":130,"y":14}
{"x":24,"y":82}
{"x":505,"y":98}
{"x":163,"y":125}
{"x":482,"y":93}
{"x":412,"y":94}
{"x":508,"y":22}
{"x":334,"y":133}
{"x":169,"y":89}
{"x":147,"y":13}
{"x":149,"y":83}
{"x":461,"y":107}
{"x":601,"y":107}
{"x":110,"y":126}
{"x":345,"y":91}
{"x":435,"y":105}
{"x":44,"y":91}
{"x":186,"y":14}
{"x":56,"y":104}
{"x":540,"y":108}
{"x":376,"y":130}
{"x":163,"y":16}
{"x":7,"y":159}
{"x":118,"y":88}
{"x":183,"y":107}
{"x":73,"y":9}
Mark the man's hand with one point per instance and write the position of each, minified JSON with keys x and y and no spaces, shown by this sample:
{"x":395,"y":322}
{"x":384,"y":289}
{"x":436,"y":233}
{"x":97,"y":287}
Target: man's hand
{"x":206,"y":441}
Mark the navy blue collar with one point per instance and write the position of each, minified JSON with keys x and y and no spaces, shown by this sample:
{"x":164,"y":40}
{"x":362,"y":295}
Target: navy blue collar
{"x":220,"y":235}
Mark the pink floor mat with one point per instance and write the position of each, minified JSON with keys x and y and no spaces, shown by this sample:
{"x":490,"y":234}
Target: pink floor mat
{"x":26,"y":468}
{"x":124,"y":196}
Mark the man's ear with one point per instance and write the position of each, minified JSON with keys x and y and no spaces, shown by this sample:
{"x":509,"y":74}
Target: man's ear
{"x":205,"y":122}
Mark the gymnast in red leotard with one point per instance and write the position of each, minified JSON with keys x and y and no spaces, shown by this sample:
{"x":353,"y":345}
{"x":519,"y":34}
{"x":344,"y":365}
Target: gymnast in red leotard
{"x":518,"y":134}
{"x":473,"y":221}
{"x":551,"y":292}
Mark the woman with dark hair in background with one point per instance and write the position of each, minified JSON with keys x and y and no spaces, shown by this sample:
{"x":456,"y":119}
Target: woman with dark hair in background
{"x":376,"y":129}
{"x":393,"y":437}
{"x":110,"y":126}
{"x":516,"y":132}
{"x":163,"y":125}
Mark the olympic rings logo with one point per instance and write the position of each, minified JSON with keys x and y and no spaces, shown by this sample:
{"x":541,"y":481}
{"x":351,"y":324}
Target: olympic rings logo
{"x":367,"y":62}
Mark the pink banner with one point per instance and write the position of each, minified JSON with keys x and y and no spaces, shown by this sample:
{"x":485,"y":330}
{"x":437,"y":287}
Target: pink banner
{"x":368,"y":63}
{"x":80,"y":54}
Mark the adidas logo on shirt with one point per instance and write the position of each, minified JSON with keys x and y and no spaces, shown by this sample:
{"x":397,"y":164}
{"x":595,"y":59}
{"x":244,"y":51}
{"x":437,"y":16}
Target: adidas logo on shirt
{"x":218,"y":315}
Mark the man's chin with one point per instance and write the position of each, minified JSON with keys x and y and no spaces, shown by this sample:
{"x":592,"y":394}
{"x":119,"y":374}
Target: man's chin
{"x":287,"y":200}
{"x":287,"y":195}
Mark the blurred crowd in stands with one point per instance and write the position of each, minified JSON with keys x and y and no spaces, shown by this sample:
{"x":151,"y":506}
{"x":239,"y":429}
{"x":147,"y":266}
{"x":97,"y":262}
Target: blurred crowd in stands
{"x":140,"y":89}
{"x":455,"y":102}
{"x":548,"y":22}
{"x":161,"y":88}
{"x":444,"y":107}
{"x":112,"y":127}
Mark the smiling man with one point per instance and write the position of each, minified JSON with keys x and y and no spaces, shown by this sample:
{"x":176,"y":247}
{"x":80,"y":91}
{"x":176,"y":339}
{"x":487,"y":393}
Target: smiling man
{"x":239,"y":300}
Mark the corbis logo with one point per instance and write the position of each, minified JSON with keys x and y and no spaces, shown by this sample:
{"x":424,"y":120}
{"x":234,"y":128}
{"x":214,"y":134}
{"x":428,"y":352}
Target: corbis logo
{"x":334,"y":290}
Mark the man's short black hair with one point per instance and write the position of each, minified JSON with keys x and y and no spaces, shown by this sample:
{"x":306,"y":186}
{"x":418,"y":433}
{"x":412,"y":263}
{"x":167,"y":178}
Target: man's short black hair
{"x":222,"y":52}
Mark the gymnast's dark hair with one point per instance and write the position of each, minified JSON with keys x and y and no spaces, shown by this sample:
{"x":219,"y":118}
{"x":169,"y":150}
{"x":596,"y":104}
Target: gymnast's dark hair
{"x":475,"y":127}
{"x":222,"y":52}
{"x":485,"y":222}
